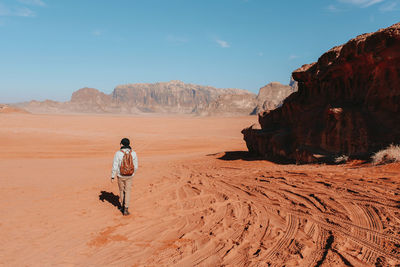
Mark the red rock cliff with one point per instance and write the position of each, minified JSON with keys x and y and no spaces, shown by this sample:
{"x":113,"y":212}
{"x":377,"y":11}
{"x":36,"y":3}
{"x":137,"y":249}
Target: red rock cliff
{"x":347,"y":103}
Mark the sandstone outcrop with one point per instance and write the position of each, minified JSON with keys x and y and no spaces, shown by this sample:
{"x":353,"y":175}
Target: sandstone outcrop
{"x":272,"y":95}
{"x":347,"y":103}
{"x":163,"y":97}
{"x":171,"y":97}
{"x":293,"y":84}
{"x":230,"y":104}
{"x":90,"y":96}
{"x":90,"y":100}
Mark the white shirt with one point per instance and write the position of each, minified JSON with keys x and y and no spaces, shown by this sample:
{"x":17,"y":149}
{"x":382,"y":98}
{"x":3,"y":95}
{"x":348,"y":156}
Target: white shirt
{"x":117,"y":162}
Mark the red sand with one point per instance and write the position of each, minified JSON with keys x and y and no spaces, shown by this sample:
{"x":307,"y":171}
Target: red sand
{"x":188,"y":206}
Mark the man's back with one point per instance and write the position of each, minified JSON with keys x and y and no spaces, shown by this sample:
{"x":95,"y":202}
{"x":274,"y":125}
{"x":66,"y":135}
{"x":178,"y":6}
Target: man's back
{"x":119,"y":155}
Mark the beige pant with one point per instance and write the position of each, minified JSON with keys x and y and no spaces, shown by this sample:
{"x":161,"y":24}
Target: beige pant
{"x":125,"y":186}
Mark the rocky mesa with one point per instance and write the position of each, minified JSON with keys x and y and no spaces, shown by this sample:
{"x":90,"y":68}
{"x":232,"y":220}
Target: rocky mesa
{"x":163,"y":97}
{"x":347,"y":102}
{"x":174,"y":97}
{"x":272,"y":95}
{"x":171,"y":97}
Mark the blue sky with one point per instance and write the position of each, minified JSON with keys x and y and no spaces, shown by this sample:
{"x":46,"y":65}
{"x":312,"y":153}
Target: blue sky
{"x":50,"y":48}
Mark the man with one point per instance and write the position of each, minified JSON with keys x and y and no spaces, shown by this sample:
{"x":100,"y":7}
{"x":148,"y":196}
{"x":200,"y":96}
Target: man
{"x":124,"y":181}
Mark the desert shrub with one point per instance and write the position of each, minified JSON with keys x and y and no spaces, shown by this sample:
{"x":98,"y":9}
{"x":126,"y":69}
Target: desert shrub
{"x":387,"y":155}
{"x":341,"y":159}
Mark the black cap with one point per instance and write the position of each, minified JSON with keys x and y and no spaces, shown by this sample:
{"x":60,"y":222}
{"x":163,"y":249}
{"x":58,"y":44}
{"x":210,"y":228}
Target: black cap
{"x":125,"y":142}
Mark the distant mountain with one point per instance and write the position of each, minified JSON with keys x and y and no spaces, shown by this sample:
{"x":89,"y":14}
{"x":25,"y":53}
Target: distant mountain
{"x":9,"y":109}
{"x":170,"y":97}
{"x":230,"y":104}
{"x":163,"y":97}
{"x":173,"y":97}
{"x":272,"y":95}
{"x":293,"y":84}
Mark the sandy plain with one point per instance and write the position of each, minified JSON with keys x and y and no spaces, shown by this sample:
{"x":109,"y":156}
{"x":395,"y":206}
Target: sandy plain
{"x":197,"y":199}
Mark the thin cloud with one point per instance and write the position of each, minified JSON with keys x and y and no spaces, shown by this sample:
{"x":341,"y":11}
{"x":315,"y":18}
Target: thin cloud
{"x":24,"y":12}
{"x":333,"y":8}
{"x":16,"y":12}
{"x":33,"y":2}
{"x":389,"y":7}
{"x":372,"y":18}
{"x":97,"y":32}
{"x":361,"y":3}
{"x":223,"y":44}
{"x":292,"y":57}
{"x":176,"y":39}
{"x":4,"y":11}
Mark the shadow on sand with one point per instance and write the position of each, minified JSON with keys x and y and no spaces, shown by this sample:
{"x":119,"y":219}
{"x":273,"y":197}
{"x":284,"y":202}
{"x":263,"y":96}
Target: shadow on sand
{"x":328,"y":160}
{"x":245,"y":155}
{"x":238,"y":155}
{"x":110,"y":198}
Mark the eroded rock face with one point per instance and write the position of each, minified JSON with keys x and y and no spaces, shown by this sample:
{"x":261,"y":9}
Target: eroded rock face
{"x":163,"y":97}
{"x":167,"y":97}
{"x":272,"y":95}
{"x":172,"y":97}
{"x":87,"y":100}
{"x":347,"y":103}
{"x":230,"y":104}
{"x":90,"y":95}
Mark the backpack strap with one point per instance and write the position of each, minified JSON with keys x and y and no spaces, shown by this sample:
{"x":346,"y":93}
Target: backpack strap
{"x":129,"y":151}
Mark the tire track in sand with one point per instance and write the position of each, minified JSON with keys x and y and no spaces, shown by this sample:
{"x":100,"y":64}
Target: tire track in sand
{"x":258,"y":215}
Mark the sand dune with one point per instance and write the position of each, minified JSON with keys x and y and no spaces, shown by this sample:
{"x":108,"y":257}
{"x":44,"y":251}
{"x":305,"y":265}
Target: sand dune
{"x":193,"y":202}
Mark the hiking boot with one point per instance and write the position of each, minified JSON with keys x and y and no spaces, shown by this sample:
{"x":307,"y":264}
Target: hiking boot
{"x":126,"y":211}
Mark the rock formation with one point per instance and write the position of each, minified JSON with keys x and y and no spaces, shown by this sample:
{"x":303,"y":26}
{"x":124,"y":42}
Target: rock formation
{"x":347,"y":103}
{"x":230,"y":104}
{"x":293,"y":84}
{"x":171,"y":97}
{"x":6,"y":109}
{"x":162,"y":97}
{"x":46,"y":106}
{"x":167,"y":97}
{"x":90,"y":100}
{"x":272,"y":95}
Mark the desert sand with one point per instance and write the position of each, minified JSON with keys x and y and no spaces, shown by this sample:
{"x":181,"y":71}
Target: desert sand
{"x":197,"y":198}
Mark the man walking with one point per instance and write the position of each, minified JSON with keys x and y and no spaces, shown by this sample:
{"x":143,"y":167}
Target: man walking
{"x":124,"y":166}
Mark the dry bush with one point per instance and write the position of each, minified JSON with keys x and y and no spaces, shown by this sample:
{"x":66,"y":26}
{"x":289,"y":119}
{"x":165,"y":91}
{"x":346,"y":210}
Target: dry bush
{"x":387,"y":155}
{"x":341,"y":159}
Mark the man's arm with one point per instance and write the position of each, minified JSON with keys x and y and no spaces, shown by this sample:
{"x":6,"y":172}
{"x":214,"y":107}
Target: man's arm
{"x":114,"y":166}
{"x":135,"y":161}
